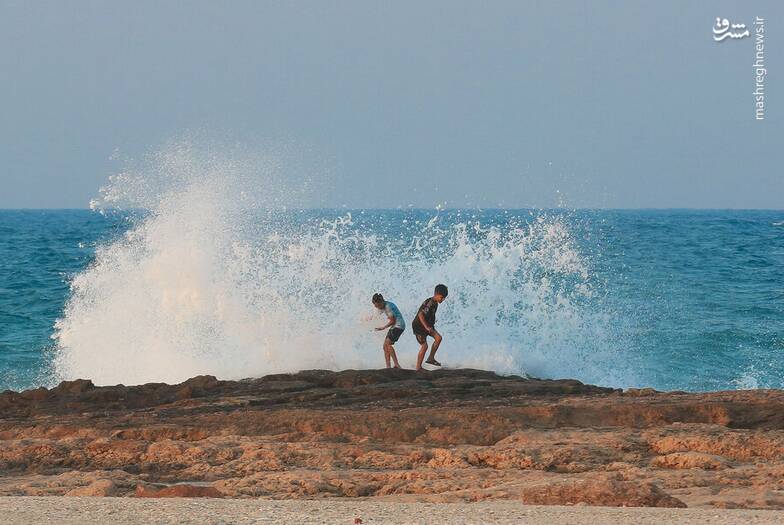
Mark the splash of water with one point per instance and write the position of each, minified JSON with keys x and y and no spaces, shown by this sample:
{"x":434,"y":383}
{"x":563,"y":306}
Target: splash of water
{"x":214,"y":278}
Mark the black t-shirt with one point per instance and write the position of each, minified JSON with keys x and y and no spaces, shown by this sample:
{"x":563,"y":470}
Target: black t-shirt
{"x":428,"y":308}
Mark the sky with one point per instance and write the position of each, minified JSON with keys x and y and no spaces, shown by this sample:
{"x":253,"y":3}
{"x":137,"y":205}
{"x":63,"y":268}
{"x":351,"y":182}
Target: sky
{"x":622,"y":104}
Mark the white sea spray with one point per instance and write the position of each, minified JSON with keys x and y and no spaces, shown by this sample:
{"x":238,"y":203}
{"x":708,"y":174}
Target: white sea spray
{"x":218,"y":277}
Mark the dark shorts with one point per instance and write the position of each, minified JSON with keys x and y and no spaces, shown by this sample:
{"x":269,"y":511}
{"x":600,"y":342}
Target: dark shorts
{"x":394,"y":334}
{"x":420,"y":334}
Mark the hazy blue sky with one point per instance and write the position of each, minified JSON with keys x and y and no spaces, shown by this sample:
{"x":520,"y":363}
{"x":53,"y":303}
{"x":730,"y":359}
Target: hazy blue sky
{"x":598,"y":104}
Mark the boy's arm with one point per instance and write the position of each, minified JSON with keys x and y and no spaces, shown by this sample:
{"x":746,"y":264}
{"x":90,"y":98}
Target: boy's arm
{"x":390,"y":322}
{"x":421,"y":317}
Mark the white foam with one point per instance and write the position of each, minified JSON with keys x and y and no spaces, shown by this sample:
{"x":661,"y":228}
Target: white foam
{"x":215,"y":281}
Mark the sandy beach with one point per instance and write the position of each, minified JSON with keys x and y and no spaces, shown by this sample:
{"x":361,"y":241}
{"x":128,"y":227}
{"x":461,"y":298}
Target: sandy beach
{"x":33,"y":510}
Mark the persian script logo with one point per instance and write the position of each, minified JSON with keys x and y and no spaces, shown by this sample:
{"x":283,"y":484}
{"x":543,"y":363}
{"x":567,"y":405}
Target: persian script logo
{"x":724,"y":29}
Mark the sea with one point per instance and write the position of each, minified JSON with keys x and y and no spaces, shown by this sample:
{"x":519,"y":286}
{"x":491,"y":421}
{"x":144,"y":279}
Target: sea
{"x":161,"y":282}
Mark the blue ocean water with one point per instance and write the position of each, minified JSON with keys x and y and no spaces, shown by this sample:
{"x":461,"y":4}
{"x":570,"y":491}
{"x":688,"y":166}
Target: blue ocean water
{"x":40,"y":251}
{"x":673,"y":299}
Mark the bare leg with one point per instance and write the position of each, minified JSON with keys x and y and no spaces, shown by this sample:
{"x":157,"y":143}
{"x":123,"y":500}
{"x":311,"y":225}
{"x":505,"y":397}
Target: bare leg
{"x":393,"y":354}
{"x":421,"y":356}
{"x":387,"y":348}
{"x":436,"y":343}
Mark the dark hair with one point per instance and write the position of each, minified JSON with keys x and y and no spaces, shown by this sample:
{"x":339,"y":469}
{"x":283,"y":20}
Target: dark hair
{"x":378,"y":298}
{"x":441,"y":289}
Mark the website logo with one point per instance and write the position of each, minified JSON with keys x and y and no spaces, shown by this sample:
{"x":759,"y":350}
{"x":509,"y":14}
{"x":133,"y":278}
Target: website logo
{"x":724,"y":29}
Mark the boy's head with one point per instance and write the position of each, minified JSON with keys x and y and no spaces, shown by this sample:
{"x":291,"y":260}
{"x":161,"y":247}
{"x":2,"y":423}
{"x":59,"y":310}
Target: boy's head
{"x":440,"y":293}
{"x":378,"y":301}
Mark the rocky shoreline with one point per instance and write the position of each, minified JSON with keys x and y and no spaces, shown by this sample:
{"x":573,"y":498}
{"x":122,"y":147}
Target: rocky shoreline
{"x":397,"y":435}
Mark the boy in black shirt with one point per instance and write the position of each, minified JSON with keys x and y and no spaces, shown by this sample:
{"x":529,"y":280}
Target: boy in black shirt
{"x":423,"y":326}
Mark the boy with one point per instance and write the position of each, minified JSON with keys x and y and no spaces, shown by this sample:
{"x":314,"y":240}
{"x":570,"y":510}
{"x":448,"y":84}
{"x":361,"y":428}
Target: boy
{"x":395,"y":320}
{"x":423,"y":326}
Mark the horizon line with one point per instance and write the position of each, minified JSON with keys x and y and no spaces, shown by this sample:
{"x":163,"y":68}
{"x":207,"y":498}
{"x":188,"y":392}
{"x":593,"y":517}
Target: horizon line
{"x":474,"y":208}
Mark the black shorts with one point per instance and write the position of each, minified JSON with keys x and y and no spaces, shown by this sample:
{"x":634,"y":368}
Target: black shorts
{"x":421,"y":335}
{"x":394,"y":334}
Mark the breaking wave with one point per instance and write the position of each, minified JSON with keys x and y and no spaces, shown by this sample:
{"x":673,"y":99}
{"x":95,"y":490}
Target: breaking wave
{"x":219,"y":272}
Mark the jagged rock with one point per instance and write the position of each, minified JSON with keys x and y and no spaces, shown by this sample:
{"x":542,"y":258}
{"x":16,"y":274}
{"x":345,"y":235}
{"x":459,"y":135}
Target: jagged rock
{"x":448,"y":435}
{"x":75,"y":387}
{"x":640,"y":392}
{"x":36,"y":394}
{"x":608,"y":493}
{"x":201,"y":383}
{"x":177,"y":491}
{"x":101,"y":487}
{"x":685,"y":460}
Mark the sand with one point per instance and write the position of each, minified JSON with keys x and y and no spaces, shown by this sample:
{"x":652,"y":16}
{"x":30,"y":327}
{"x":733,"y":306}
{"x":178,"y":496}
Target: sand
{"x":52,"y":509}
